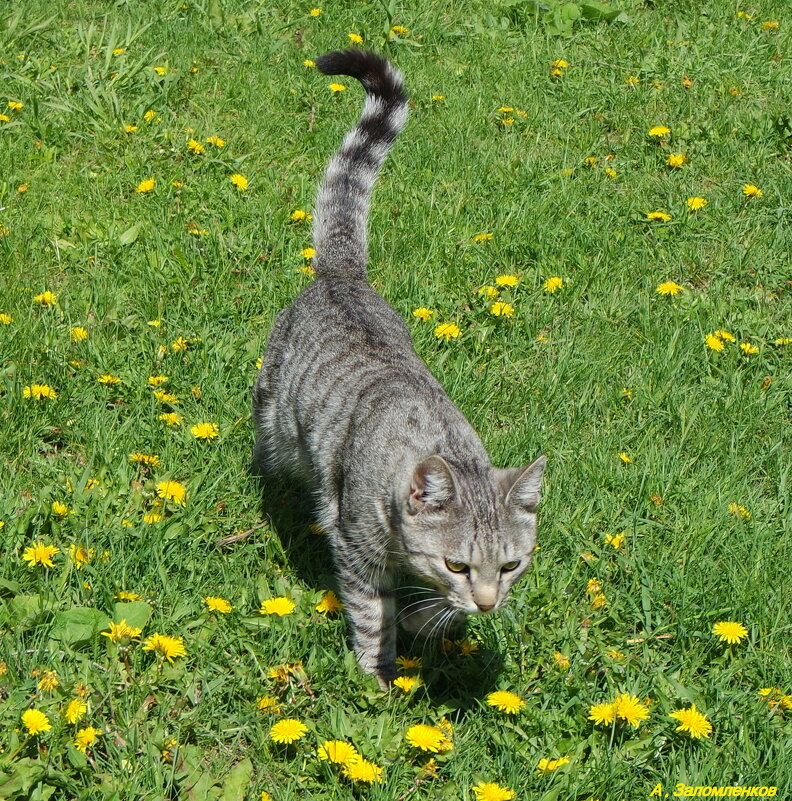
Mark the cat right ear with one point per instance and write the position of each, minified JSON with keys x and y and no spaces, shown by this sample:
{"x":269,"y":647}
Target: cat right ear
{"x":432,"y":486}
{"x":522,"y":484}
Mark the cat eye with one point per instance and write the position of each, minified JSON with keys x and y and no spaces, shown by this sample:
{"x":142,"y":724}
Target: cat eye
{"x":456,"y":567}
{"x":509,"y":566}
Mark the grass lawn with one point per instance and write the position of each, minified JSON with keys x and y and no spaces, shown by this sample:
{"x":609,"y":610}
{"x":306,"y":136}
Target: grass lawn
{"x":154,"y":158}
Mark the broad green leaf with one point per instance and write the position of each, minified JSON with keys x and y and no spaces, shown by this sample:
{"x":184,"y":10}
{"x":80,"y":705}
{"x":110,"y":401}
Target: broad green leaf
{"x":78,"y":625}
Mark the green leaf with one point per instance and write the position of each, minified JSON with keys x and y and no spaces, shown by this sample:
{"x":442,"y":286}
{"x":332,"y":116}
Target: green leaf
{"x":130,"y":235}
{"x":23,"y":611}
{"x":236,"y":782}
{"x":136,"y":613}
{"x":79,"y":625}
{"x":599,"y":11}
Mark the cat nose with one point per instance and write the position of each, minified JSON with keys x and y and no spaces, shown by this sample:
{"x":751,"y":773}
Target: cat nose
{"x":485,"y":607}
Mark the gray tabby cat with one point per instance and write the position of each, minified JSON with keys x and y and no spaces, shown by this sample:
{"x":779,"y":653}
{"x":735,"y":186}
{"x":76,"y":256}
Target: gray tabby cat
{"x":343,"y":403}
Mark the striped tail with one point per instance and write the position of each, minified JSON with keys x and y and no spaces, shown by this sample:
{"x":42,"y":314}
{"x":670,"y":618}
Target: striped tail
{"x":341,"y":213}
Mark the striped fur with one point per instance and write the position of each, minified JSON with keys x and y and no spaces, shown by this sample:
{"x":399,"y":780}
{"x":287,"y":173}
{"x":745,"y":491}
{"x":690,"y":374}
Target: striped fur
{"x":343,"y":404}
{"x":340,"y":216}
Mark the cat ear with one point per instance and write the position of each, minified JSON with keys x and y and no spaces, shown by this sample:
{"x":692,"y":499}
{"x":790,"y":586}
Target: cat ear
{"x":522,"y":484}
{"x":432,"y":486}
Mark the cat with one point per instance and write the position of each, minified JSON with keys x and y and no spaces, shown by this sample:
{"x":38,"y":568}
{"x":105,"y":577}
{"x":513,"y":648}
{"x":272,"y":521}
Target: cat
{"x":343,"y":403}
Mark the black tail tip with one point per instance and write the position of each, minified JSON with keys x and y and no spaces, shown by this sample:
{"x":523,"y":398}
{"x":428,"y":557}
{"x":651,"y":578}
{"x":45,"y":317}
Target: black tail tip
{"x":373,"y":71}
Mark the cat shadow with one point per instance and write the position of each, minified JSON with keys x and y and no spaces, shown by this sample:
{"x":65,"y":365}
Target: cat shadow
{"x":289,"y":509}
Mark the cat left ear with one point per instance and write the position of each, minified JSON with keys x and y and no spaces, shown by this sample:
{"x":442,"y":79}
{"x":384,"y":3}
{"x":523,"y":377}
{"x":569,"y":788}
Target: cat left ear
{"x":432,"y":486}
{"x":522,"y":484}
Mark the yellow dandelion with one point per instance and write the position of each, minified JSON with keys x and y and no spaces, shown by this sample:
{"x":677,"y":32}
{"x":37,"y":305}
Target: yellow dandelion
{"x":195,"y":147}
{"x":179,"y":344}
{"x":6,"y":319}
{"x":467,"y":647}
{"x":48,"y":681}
{"x":409,"y":662}
{"x":501,"y":309}
{"x":426,"y":738}
{"x":315,"y":12}
{"x":337,"y":87}
{"x":216,"y":141}
{"x":507,"y":280}
{"x":108,"y":378}
{"x":363,"y":771}
{"x":658,"y":216}
{"x":239,"y":181}
{"x":173,"y":491}
{"x":771,"y":25}
{"x":266,"y":703}
{"x":602,"y":714}
{"x":39,"y":392}
{"x":78,"y":333}
{"x":75,"y":710}
{"x":739,"y":511}
{"x":748,"y":349}
{"x":676,"y":160}
{"x":400,"y":30}
{"x":46,"y":298}
{"x":549,"y":765}
{"x":553,"y":284}
{"x":309,"y":63}
{"x":625,"y":457}
{"x":355,"y":38}
{"x":167,"y":647}
{"x":329,"y":603}
{"x":692,"y":722}
{"x":447,"y":331}
{"x":482,"y":237}
{"x":610,"y":172}
{"x":628,"y":708}
{"x":668,"y":288}
{"x":147,"y":459}
{"x":599,"y":601}
{"x":659,"y":131}
{"x":146,"y":186}
{"x":60,"y":509}
{"x":730,"y":632}
{"x":86,"y":737}
{"x":40,"y":554}
{"x":35,"y":721}
{"x":696,"y":203}
{"x":205,"y":430}
{"x":215,"y":604}
{"x":505,"y":701}
{"x":750,"y":190}
{"x":407,"y":683}
{"x":714,"y":342}
{"x":338,"y":751}
{"x":288,"y":731}
{"x":489,"y":292}
{"x":491,"y":791}
{"x":561,"y":661}
{"x":423,"y":313}
{"x":615,"y":540}
{"x":277,"y":606}
{"x":121,"y":632}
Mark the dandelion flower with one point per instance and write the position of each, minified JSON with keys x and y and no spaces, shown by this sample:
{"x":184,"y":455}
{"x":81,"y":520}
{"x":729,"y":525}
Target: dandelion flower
{"x":146,"y":186}
{"x":561,"y":661}
{"x":507,"y":280}
{"x":553,"y":284}
{"x":172,"y":490}
{"x":482,"y":237}
{"x":602,"y":714}
{"x":400,"y":29}
{"x":266,"y":703}
{"x":15,"y":105}
{"x":298,"y":215}
{"x":739,"y":511}
{"x":221,"y":605}
{"x":310,"y":63}
{"x":329,"y":603}
{"x":337,"y":87}
{"x":40,"y":554}
{"x":152,"y":517}
{"x":627,"y":707}
{"x":338,"y":751}
{"x":160,"y":70}
{"x":714,"y":342}
{"x":179,"y":344}
{"x":355,"y":38}
{"x":625,"y":457}
{"x":205,"y":430}
{"x":308,"y":253}
{"x":216,"y":141}
{"x":427,"y":738}
{"x":489,"y":292}
{"x":78,"y":334}
{"x":407,"y":683}
{"x":86,"y":737}
{"x":696,"y":203}
{"x":170,"y":418}
{"x":59,"y":509}
{"x":501,"y":309}
{"x":447,"y":331}
{"x":615,"y":540}
{"x":730,"y":632}
{"x":6,"y":319}
{"x":75,"y":710}
{"x":408,"y":662}
{"x":748,"y":349}
{"x":669,"y":288}
{"x":288,"y":731}
{"x":505,"y":701}
{"x":239,"y":181}
{"x":599,"y":600}
{"x":423,"y":313}
{"x":692,"y":722}
{"x":610,"y":172}
{"x":315,"y":12}
{"x":35,"y":721}
{"x":150,"y":460}
{"x":48,"y":681}
{"x":121,"y":632}
{"x":167,"y":647}
{"x":658,"y":216}
{"x":676,"y":160}
{"x":39,"y":392}
{"x":363,"y":771}
{"x":490,"y":791}
{"x":107,"y":378}
{"x":46,"y":298}
{"x":771,"y":25}
{"x":277,"y":606}
{"x":549,"y":765}
{"x":749,"y":190}
{"x":659,"y":131}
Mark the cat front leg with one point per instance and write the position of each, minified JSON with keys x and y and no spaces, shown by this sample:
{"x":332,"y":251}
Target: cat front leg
{"x":370,"y":607}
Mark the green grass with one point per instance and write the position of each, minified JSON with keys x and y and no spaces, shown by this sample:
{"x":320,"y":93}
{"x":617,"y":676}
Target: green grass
{"x":704,"y":429}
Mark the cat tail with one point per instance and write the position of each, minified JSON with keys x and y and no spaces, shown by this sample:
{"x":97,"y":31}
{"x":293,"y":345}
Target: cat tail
{"x":341,"y":213}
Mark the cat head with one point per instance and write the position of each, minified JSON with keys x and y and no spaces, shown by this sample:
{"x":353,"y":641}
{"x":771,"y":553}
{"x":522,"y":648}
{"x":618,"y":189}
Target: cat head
{"x":471,"y":534}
